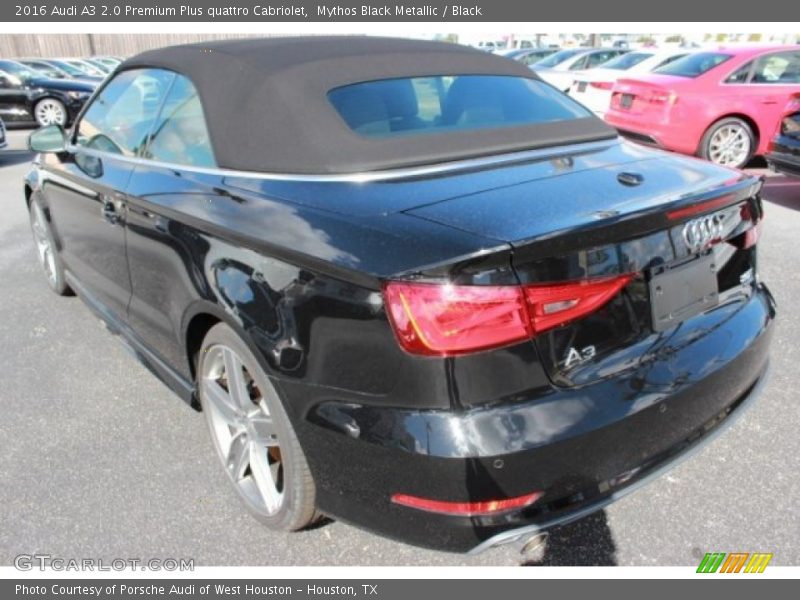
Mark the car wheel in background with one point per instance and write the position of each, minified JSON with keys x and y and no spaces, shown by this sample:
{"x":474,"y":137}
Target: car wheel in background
{"x":50,"y":111}
{"x":729,"y":142}
{"x":252,"y":433}
{"x":46,"y":250}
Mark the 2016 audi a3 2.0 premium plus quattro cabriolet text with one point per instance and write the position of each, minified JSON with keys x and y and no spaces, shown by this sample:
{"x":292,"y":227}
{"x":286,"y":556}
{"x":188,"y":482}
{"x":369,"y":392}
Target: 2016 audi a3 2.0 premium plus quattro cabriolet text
{"x":409,"y":284}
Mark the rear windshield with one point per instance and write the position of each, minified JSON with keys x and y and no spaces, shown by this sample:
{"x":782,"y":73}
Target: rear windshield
{"x":626,"y":61}
{"x":417,"y":105}
{"x":694,"y":65}
{"x":557,"y":58}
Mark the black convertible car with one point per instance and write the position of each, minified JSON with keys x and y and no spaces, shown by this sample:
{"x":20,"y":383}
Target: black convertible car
{"x":784,"y":154}
{"x":29,"y":99}
{"x":411,"y":285}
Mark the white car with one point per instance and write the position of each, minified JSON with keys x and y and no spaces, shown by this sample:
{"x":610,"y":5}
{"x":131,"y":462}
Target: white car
{"x":3,"y":139}
{"x":593,"y":88}
{"x":559,"y":69}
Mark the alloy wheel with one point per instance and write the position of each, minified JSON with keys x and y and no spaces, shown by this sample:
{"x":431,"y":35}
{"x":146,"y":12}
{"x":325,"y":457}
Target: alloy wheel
{"x":50,"y":112}
{"x":244,"y":432}
{"x":729,"y":145}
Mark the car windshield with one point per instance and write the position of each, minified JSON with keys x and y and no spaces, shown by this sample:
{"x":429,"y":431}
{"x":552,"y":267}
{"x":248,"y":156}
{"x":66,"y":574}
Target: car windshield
{"x":626,"y":61}
{"x":556,"y":59}
{"x":17,"y":70}
{"x":85,"y":68}
{"x":46,"y":70}
{"x":418,"y":105}
{"x":694,"y":65}
{"x":71,"y":71}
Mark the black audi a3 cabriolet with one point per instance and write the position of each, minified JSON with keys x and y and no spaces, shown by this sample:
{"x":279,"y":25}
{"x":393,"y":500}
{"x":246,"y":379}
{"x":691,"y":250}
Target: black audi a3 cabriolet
{"x":410,"y":285}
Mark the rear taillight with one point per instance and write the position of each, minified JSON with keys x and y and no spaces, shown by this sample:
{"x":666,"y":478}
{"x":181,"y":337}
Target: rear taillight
{"x":454,"y":319}
{"x":445,"y":320}
{"x":553,"y":305}
{"x":662,"y":97}
{"x":749,"y":238}
{"x":601,"y":85}
{"x":466,"y":509}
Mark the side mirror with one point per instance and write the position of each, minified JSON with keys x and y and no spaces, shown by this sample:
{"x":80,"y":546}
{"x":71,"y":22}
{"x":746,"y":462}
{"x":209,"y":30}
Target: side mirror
{"x":48,"y":139}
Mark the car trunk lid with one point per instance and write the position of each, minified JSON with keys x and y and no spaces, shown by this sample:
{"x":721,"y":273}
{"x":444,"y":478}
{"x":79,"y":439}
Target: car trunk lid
{"x":599,"y":224}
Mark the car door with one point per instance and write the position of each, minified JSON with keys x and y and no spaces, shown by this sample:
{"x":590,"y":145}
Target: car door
{"x":764,"y":87}
{"x":85,"y":186}
{"x":15,"y":104}
{"x":162,"y":249}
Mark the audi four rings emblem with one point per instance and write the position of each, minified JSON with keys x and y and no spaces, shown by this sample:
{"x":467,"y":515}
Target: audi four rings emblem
{"x":698,"y":234}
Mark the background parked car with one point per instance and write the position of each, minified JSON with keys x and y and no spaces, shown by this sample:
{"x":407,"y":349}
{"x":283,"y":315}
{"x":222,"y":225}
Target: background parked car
{"x":593,"y":87}
{"x":27,"y":99}
{"x":99,"y":65}
{"x":63,"y":65}
{"x":722,"y":105}
{"x":44,"y":69}
{"x":528,"y":56}
{"x":784,"y":154}
{"x":559,"y":69}
{"x":3,"y":139}
{"x":109,"y":61}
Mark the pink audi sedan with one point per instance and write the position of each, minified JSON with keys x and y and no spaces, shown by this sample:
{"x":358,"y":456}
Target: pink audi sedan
{"x":722,"y":105}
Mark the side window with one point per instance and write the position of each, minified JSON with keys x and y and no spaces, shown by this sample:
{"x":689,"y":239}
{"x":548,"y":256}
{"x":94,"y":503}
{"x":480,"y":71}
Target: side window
{"x":741,"y":74}
{"x":778,"y":69}
{"x":181,"y":135}
{"x":122,"y":115}
{"x":667,"y":61}
{"x":596,"y":59}
{"x":581,"y":63}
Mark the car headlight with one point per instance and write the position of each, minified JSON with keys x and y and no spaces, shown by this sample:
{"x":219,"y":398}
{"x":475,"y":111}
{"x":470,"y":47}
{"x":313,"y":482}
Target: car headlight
{"x":79,"y":95}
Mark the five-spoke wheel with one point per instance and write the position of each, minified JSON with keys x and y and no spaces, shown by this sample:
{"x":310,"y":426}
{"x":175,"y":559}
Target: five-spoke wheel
{"x":252,"y":433}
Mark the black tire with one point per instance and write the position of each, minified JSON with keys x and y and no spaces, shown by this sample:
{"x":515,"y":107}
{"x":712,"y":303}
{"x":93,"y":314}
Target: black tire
{"x":706,"y":151}
{"x":297,"y":508}
{"x":46,"y":249}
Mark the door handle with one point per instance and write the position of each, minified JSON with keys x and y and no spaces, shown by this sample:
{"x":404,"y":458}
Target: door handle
{"x":110,"y":210}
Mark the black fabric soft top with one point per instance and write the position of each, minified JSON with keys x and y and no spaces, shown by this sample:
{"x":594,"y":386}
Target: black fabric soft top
{"x":265,"y":101}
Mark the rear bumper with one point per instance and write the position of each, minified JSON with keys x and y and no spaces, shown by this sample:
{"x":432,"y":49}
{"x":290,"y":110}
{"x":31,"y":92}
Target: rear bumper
{"x":583,"y":447}
{"x":655,"y":131}
{"x":726,"y":419}
{"x":595,"y":100}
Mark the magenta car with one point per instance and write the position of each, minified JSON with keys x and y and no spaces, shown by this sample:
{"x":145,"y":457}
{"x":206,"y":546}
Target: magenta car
{"x":722,"y":105}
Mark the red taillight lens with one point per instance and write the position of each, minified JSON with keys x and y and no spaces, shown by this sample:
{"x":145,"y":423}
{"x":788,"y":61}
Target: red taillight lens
{"x":466,"y":509}
{"x":601,"y":85}
{"x":749,"y":238}
{"x":663,"y":97}
{"x":702,"y":207}
{"x":554,"y":305}
{"x":446,"y":320}
{"x":454,"y":319}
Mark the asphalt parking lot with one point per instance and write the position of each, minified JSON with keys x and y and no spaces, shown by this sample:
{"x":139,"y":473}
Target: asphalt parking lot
{"x":100,"y":460}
